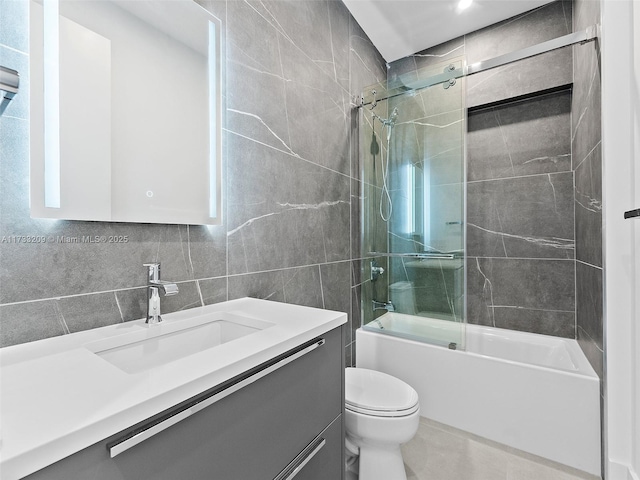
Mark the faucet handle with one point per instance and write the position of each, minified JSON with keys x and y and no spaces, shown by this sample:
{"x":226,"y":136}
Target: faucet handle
{"x":154,"y":270}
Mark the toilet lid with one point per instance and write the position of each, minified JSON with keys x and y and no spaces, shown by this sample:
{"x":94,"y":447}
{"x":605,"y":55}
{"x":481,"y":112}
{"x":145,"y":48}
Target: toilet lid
{"x":377,"y":392}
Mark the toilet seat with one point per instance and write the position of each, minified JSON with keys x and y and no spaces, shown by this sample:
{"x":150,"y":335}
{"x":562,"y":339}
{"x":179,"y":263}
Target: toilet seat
{"x":383,"y":413}
{"x":377,"y":394}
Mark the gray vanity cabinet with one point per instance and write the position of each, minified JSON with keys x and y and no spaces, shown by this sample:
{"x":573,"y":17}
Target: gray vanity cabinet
{"x":287,"y":424}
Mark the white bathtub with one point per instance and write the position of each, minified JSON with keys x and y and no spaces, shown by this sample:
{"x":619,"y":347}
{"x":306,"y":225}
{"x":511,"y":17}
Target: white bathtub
{"x":536,"y":393}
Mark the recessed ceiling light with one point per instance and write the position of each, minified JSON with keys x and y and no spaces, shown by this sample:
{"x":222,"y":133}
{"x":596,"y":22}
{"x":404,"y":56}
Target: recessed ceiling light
{"x":462,"y":4}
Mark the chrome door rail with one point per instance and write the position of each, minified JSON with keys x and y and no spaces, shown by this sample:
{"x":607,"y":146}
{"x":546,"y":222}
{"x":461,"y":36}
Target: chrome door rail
{"x":583,"y":36}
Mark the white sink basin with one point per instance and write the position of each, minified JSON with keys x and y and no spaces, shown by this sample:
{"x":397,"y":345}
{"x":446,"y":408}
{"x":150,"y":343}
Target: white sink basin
{"x":159,"y":344}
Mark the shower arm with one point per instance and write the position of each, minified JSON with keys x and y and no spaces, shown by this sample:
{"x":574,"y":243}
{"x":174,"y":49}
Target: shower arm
{"x":581,"y":37}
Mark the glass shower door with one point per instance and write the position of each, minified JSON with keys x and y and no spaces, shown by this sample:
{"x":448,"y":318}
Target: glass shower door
{"x":412,"y":152}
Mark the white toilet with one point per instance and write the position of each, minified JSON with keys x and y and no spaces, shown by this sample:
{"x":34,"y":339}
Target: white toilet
{"x":381,"y":413}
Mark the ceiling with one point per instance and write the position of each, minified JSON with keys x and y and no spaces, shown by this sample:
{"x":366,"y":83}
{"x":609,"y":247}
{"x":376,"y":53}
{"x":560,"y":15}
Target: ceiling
{"x":402,"y":27}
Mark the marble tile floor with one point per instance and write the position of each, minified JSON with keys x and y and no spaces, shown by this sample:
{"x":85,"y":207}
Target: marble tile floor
{"x":440,"y":452}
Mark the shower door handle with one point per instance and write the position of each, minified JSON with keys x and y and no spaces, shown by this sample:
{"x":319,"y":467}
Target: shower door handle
{"x":632,"y":213}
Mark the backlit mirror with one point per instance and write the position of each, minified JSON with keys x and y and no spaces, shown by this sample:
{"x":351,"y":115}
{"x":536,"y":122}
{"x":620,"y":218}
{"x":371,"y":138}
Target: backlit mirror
{"x":125,"y":111}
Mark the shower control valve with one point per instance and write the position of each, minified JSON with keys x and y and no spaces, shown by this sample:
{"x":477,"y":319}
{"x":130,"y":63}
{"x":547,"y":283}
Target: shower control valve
{"x":376,"y":270}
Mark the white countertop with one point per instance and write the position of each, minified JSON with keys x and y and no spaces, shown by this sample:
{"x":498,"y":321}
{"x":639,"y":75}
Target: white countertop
{"x":57,"y":397}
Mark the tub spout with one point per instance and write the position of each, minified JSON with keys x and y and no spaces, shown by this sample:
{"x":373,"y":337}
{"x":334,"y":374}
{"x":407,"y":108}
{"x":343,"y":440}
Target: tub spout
{"x":388,"y":306}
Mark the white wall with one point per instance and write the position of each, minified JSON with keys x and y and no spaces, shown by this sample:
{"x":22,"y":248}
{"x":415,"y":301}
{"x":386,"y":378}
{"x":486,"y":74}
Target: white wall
{"x":621,"y":143}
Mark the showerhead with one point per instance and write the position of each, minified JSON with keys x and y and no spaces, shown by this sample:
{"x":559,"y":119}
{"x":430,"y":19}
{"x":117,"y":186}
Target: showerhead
{"x":394,"y":116}
{"x":388,"y":122}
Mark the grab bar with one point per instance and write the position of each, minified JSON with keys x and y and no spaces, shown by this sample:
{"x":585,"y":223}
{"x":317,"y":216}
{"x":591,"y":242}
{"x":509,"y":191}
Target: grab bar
{"x":440,"y":256}
{"x":152,"y":428}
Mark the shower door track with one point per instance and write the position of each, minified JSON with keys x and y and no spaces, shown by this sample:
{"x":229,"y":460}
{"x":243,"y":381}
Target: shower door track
{"x":583,"y":36}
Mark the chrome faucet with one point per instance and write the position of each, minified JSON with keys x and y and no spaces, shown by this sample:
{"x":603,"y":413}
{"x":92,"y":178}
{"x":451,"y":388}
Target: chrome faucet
{"x":388,"y":306}
{"x":154,"y":287}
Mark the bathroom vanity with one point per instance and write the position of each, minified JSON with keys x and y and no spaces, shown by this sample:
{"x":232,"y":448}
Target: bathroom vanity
{"x":266,"y":403}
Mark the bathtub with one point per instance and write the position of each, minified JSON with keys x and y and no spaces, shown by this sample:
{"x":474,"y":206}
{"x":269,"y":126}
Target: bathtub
{"x":532,"y":392}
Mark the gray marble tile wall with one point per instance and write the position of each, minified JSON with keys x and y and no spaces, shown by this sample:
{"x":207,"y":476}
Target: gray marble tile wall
{"x":531,"y":75}
{"x":520,"y":191}
{"x":520,"y":219}
{"x":292,"y":185}
{"x":546,"y":71}
{"x":587,"y":165}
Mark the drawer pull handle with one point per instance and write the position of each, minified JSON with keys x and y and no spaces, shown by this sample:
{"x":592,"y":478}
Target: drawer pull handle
{"x":301,"y":460}
{"x":120,"y":446}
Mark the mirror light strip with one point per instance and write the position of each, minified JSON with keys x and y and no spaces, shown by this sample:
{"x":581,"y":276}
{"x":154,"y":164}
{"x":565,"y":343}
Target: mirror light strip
{"x":51,"y":105}
{"x":213,"y":117}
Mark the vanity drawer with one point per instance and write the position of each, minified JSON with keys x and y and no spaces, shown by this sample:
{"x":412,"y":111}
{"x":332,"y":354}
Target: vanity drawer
{"x":322,"y":459}
{"x":253,"y":433}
